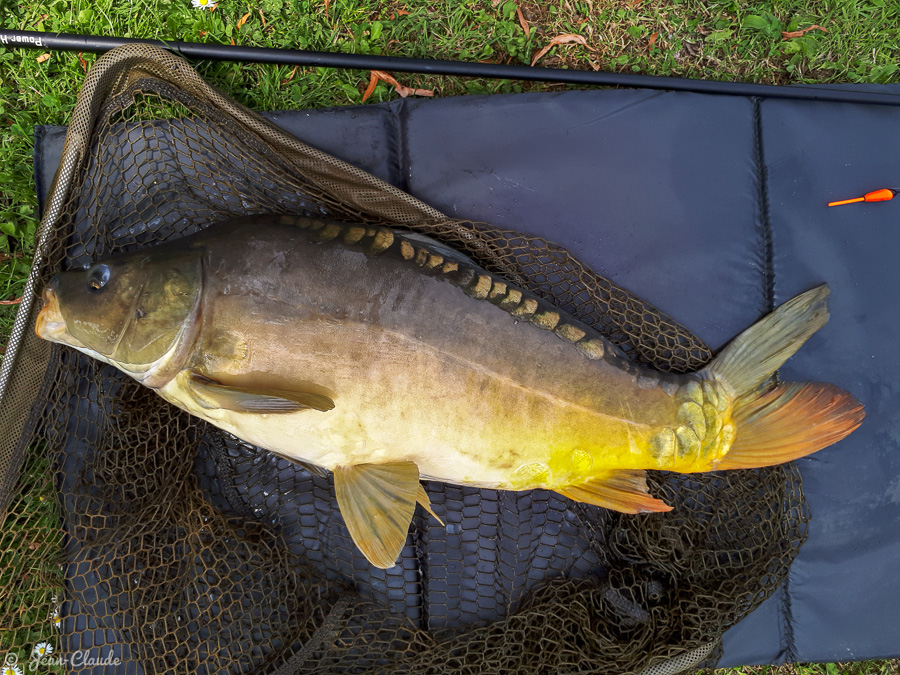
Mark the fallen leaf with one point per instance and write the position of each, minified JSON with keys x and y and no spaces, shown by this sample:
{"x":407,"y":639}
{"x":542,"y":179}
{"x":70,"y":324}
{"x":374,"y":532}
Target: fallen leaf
{"x":11,"y":302}
{"x":565,"y":38}
{"x":404,"y":91}
{"x":82,"y":62}
{"x":652,"y":40}
{"x":42,"y":58}
{"x":291,"y":76}
{"x":373,"y":82}
{"x":522,"y":21}
{"x":232,"y":41}
{"x":262,"y":16}
{"x":634,"y":3}
{"x":327,"y":2}
{"x":43,"y":16}
{"x":243,"y":20}
{"x":803,"y":31}
{"x":398,"y":14}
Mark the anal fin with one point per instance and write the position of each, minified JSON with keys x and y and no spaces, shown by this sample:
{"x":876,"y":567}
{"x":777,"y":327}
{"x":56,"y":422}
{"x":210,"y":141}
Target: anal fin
{"x":624,"y":491}
{"x":377,"y":502}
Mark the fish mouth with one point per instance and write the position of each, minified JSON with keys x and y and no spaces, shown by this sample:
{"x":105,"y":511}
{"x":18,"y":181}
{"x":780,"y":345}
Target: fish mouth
{"x":50,"y":324}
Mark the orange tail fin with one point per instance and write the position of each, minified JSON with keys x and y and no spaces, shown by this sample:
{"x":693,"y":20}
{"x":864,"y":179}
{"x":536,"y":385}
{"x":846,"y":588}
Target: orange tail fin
{"x":790,"y":421}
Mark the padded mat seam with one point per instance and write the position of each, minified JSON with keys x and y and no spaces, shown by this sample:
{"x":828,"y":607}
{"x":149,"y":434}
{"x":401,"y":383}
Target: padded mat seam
{"x":762,"y":204}
{"x":789,"y":646}
{"x":391,"y":131}
{"x":400,"y":143}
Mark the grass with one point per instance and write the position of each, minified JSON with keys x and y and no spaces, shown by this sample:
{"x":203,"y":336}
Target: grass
{"x":860,"y":668}
{"x":712,"y":39}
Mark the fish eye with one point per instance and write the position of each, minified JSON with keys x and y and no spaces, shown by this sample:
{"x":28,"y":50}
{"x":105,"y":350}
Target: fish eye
{"x":98,"y":275}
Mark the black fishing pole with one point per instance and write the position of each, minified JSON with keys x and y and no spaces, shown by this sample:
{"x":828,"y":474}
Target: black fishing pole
{"x":98,"y":44}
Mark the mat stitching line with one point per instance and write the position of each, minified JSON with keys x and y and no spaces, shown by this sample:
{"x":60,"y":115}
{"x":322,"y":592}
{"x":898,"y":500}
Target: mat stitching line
{"x":762,"y":197}
{"x":790,"y":646}
{"x":786,"y":628}
{"x":393,"y":137}
{"x":400,"y":146}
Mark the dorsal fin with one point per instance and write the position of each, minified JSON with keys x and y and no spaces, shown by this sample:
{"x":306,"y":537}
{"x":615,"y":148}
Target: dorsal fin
{"x":436,"y":246}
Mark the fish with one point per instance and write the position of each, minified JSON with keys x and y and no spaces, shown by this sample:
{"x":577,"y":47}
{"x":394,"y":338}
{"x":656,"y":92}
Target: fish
{"x":388,"y":358}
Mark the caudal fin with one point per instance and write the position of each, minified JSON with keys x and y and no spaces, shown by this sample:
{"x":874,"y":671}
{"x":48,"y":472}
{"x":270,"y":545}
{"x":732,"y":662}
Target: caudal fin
{"x":759,"y":351}
{"x":790,"y":420}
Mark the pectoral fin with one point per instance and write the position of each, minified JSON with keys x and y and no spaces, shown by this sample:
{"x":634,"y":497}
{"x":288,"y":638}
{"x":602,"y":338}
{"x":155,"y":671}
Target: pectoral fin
{"x":624,"y":491}
{"x":377,"y":502}
{"x":214,"y":394}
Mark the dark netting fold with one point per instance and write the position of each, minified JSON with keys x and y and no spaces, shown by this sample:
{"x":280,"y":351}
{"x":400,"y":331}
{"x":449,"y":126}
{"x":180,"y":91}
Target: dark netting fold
{"x":144,"y":535}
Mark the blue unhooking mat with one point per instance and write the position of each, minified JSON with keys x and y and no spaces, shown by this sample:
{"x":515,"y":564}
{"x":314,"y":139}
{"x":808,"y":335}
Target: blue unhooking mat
{"x":713,"y":209}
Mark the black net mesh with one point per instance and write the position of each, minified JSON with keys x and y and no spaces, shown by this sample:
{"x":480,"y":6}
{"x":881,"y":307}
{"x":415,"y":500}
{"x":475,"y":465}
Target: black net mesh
{"x":135,"y":532}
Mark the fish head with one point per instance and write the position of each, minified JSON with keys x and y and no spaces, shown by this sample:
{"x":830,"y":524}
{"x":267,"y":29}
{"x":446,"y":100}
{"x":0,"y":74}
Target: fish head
{"x":137,"y":312}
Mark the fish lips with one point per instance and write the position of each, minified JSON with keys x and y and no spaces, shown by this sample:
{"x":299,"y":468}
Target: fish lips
{"x":50,"y":324}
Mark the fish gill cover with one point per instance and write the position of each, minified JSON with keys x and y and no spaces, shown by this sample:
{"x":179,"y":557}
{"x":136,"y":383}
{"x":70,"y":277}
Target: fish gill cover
{"x":151,"y":538}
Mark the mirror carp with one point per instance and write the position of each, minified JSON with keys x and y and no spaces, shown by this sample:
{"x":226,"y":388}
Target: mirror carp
{"x":388,"y":358}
